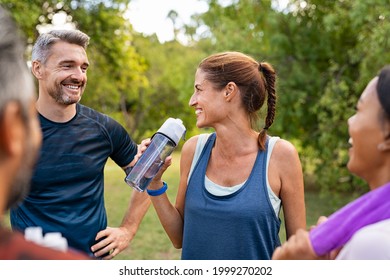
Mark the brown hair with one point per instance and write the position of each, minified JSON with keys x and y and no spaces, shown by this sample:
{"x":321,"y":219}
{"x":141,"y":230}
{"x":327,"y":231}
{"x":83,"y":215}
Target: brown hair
{"x":256,"y":81}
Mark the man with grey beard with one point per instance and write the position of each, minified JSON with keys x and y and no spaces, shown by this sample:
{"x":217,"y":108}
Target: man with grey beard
{"x":20,"y":139}
{"x":67,"y":191}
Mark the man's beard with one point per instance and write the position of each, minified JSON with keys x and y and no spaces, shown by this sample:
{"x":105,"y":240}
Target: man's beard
{"x":20,"y":186}
{"x":62,"y":98}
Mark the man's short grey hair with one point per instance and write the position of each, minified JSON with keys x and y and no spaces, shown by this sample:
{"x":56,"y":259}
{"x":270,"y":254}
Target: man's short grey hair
{"x":41,"y":49}
{"x":16,"y":82}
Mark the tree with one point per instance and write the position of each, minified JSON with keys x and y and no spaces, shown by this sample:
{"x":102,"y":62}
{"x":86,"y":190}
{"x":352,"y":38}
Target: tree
{"x":171,"y":70}
{"x":337,"y":47}
{"x":324,"y":52}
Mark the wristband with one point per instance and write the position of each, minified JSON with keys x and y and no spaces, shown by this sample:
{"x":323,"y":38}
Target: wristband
{"x":159,"y":191}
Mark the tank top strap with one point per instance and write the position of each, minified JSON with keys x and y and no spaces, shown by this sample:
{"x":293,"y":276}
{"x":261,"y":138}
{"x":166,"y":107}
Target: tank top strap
{"x":200,"y":145}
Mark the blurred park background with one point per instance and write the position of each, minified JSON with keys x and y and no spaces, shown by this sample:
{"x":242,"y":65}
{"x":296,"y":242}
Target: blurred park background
{"x":324,"y":52}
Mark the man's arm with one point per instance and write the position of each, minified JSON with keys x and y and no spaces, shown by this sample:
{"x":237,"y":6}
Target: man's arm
{"x":138,"y":206}
{"x":117,"y":239}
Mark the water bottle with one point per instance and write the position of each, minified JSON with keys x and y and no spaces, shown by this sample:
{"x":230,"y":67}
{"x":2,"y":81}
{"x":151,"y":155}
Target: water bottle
{"x":163,"y":142}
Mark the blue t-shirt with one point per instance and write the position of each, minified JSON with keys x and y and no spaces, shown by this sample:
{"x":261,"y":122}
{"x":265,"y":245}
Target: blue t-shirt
{"x":67,"y":190}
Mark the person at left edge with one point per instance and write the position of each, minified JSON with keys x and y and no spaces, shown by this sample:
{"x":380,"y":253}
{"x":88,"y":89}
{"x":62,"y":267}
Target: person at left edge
{"x":67,"y":189}
{"x":20,"y":140}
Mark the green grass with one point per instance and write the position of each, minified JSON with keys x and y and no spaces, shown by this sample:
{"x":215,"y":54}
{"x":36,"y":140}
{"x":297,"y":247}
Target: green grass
{"x":151,"y":241}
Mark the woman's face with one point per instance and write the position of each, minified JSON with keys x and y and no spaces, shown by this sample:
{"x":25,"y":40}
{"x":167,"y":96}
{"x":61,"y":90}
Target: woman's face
{"x":208,"y":102}
{"x":366,"y":134}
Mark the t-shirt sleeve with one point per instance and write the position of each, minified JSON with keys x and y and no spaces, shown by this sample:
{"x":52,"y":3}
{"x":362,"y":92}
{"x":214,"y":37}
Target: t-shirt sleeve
{"x":124,"y":148}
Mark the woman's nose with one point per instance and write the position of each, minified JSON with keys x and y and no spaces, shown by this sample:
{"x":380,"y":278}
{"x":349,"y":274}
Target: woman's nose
{"x":192,"y":100}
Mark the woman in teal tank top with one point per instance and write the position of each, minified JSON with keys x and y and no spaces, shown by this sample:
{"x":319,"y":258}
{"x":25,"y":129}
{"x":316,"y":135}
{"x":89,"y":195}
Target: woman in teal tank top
{"x":237,"y":221}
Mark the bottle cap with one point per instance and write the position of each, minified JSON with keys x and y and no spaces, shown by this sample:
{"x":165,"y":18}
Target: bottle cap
{"x":55,"y":240}
{"x":174,"y":129}
{"x":34,"y":234}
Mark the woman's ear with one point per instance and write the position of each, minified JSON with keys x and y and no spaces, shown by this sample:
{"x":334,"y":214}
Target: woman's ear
{"x":230,"y":91}
{"x":385,"y":145}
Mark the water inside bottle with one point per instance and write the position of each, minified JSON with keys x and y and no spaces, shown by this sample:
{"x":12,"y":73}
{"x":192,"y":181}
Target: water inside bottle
{"x":153,"y":169}
{"x":144,"y":181}
{"x":149,"y":163}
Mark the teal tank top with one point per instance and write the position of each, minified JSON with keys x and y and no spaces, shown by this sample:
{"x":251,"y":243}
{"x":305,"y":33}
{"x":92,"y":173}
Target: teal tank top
{"x":239,"y":226}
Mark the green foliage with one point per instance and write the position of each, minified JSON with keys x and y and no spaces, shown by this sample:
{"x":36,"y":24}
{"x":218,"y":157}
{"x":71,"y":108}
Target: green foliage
{"x":245,"y":25}
{"x":325,"y":52}
{"x":338,"y":65}
{"x":27,"y":21}
{"x":171,"y":73}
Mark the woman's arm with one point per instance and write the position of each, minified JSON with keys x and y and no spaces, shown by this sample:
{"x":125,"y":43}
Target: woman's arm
{"x":287,"y":167}
{"x":172,"y":217}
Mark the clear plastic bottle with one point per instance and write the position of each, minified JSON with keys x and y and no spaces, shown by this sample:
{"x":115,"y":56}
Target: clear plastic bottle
{"x":163,"y":142}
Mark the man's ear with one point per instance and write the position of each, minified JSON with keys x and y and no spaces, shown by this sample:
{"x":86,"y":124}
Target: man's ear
{"x":36,"y":69}
{"x":12,"y":130}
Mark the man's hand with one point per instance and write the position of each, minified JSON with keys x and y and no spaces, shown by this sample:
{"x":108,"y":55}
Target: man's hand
{"x":141,"y":148}
{"x":112,"y":242}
